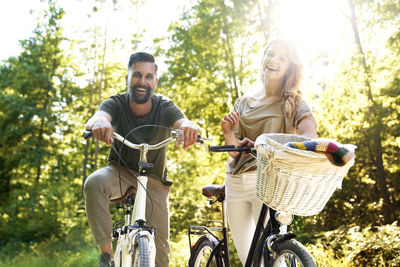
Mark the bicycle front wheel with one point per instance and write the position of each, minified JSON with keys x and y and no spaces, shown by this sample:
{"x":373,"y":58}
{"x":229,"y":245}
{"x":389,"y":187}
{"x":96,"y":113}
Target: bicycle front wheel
{"x":141,"y":257}
{"x":292,"y":253}
{"x":202,"y":253}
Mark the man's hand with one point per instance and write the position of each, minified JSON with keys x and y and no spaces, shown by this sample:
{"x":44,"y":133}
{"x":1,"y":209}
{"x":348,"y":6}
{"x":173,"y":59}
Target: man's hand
{"x":100,"y":124}
{"x":188,"y":132}
{"x":230,"y":122}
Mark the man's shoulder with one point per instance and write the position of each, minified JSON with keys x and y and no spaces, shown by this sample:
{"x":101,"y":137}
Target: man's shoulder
{"x":114,"y":103}
{"x":162,"y":99}
{"x":119,"y":97}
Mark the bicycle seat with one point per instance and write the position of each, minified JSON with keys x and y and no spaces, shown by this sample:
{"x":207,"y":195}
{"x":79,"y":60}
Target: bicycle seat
{"x":214,"y":190}
{"x":128,"y":192}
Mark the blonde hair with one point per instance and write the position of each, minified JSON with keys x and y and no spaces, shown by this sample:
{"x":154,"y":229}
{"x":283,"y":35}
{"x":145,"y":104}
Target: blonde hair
{"x":291,"y":93}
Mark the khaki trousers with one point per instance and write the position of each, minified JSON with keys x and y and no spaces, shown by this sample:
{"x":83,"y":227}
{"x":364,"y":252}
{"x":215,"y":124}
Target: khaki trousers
{"x":103,"y":185}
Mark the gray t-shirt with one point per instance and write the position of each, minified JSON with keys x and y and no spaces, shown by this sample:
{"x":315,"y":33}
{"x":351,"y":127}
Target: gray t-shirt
{"x":163,"y":112}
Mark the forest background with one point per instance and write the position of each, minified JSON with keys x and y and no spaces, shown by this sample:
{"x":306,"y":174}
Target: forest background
{"x":209,"y":56}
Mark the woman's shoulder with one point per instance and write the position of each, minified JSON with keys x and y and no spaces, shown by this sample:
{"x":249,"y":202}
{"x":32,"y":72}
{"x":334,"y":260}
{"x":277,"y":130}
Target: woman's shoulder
{"x":303,"y":104}
{"x":263,"y":101}
{"x":238,"y":102}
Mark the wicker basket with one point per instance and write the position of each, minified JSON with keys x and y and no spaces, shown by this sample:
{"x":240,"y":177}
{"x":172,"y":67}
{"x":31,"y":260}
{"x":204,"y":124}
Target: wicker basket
{"x":296,"y":181}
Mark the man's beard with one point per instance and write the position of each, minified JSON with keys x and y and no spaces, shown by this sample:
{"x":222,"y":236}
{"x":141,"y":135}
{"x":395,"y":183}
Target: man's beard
{"x":139,"y":99}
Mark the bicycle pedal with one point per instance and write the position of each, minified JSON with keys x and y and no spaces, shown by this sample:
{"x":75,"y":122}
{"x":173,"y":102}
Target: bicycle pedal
{"x":115,"y":234}
{"x":130,"y":200}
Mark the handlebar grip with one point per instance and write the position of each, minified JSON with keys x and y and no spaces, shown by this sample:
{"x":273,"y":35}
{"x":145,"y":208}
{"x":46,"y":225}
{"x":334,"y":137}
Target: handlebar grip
{"x":230,"y":148}
{"x":218,"y":148}
{"x":87,"y":134}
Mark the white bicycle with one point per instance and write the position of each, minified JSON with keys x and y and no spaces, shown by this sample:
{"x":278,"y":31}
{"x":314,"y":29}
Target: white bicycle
{"x":135,"y":240}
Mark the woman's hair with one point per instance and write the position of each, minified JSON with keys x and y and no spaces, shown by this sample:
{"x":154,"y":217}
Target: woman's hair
{"x":291,"y":93}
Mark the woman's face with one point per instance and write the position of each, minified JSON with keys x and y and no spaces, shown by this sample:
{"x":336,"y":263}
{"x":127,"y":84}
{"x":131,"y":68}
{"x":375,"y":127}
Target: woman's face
{"x":276,"y":62}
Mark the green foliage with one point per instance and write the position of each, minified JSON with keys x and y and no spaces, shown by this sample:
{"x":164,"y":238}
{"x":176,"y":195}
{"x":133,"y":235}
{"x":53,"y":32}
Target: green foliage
{"x":52,"y":252}
{"x":33,"y":98}
{"x":210,"y":63}
{"x":369,"y":246}
{"x":326,"y":257}
{"x":188,"y":205}
{"x":361,"y":106}
{"x":40,"y":135}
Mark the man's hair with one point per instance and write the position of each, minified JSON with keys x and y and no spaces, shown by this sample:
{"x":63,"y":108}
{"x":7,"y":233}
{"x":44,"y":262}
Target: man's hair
{"x":141,"y":57}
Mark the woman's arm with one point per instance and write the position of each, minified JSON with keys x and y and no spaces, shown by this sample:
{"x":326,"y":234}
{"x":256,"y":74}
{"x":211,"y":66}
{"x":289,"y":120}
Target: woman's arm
{"x":307,"y":127}
{"x":229,"y":123}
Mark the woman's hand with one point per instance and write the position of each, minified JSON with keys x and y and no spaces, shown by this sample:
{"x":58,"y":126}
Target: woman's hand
{"x":245,"y":142}
{"x":230,"y":122}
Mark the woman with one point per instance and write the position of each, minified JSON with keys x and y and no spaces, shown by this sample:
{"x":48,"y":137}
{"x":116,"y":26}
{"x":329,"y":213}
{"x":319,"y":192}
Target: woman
{"x":278,"y":108}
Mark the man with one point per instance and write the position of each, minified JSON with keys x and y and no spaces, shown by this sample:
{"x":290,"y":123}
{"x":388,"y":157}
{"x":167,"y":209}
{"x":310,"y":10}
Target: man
{"x":122,"y":113}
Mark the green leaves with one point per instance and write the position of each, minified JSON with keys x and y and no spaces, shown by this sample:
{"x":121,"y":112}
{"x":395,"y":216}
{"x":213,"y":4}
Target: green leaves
{"x":208,"y":66}
{"x":360,"y":106}
{"x":49,"y":91}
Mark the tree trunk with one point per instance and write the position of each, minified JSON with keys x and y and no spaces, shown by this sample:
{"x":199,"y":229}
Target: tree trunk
{"x":41,"y":130}
{"x":263,"y":24}
{"x":91,"y":111}
{"x":376,"y":126}
{"x":230,"y":60}
{"x":101,"y":89}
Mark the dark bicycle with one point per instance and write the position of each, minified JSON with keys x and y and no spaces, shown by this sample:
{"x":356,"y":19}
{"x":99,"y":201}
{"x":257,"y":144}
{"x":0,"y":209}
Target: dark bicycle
{"x":296,"y":175}
{"x":268,"y":248}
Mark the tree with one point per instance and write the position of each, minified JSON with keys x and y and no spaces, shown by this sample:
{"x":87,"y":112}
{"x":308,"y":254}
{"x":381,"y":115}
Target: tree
{"x":361,"y":106}
{"x":209,"y":66}
{"x":36,"y":90}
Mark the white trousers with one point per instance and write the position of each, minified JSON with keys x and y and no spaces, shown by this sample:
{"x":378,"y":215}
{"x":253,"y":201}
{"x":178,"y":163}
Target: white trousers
{"x":243,"y":210}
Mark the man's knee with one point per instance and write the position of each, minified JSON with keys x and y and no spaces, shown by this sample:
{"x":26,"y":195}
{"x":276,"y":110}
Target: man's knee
{"x":95,"y":182}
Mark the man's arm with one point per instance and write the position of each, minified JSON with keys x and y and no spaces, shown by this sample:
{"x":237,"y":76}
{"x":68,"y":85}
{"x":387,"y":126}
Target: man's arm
{"x":101,"y":127}
{"x":188,"y":132}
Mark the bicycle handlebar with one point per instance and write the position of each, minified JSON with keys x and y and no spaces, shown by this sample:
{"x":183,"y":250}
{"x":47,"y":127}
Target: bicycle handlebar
{"x":174,"y":136}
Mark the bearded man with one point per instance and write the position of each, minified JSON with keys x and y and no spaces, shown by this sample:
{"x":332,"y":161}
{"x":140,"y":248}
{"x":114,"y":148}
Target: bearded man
{"x":121,"y":113}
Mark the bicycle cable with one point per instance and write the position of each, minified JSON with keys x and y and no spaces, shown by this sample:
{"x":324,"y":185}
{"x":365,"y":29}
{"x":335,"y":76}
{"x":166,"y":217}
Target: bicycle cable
{"x":130,"y":170}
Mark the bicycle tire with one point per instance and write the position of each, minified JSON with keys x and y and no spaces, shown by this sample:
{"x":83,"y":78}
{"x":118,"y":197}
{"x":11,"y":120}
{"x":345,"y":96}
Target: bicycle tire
{"x":141,"y":257}
{"x":202,"y":252}
{"x":292,"y":253}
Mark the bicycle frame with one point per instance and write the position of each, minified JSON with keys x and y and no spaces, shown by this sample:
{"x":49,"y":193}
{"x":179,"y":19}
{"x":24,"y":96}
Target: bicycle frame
{"x":262,"y":235}
{"x":135,"y":225}
{"x":201,"y":230}
{"x":139,"y":210}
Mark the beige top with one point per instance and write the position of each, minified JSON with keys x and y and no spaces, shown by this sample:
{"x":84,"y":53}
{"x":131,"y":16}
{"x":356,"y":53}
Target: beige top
{"x":256,"y":120}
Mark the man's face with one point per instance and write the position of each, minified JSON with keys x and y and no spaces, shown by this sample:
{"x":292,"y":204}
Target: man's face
{"x":142,"y":81}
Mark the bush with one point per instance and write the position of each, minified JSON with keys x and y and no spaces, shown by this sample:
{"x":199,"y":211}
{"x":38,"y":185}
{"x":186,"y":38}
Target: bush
{"x":371,"y":246}
{"x":326,"y":257}
{"x":70,"y":250}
